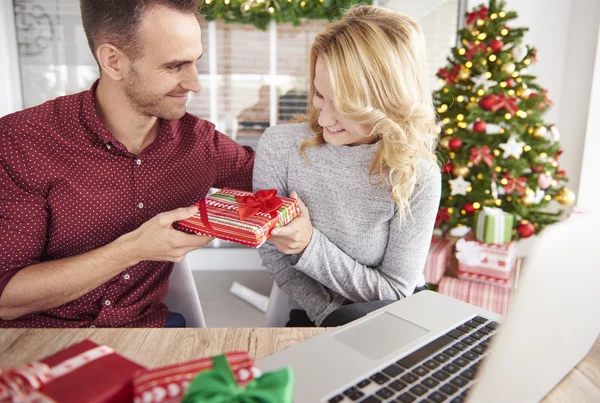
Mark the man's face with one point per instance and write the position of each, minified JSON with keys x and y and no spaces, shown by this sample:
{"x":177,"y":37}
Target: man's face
{"x":159,"y":81}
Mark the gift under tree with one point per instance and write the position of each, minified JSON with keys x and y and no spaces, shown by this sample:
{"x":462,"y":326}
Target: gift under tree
{"x":496,"y":149}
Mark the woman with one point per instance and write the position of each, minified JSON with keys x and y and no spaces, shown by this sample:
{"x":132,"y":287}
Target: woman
{"x":362,"y":168}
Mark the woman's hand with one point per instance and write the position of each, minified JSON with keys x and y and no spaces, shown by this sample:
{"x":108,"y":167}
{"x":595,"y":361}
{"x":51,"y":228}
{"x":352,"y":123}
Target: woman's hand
{"x":294,"y":237}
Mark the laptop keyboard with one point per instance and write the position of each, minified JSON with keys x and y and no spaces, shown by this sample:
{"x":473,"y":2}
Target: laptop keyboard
{"x":441,"y":371}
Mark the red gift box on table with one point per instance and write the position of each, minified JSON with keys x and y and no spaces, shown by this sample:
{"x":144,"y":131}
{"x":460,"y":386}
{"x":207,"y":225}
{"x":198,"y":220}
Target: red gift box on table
{"x":438,"y":258}
{"x":169,"y":384}
{"x":242,"y":217}
{"x":487,"y":263}
{"x":486,"y":296}
{"x":84,"y":372}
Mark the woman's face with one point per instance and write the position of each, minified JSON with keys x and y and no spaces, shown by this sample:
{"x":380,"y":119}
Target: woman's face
{"x":337,"y":129}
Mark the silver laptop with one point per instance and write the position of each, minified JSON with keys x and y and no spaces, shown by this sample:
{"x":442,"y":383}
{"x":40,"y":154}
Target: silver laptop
{"x":432,"y":348}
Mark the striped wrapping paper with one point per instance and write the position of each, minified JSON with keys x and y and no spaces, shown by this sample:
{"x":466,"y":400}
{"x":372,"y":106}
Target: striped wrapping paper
{"x":486,"y":296}
{"x":168,"y":384}
{"x":438,"y":258}
{"x":488,"y":263}
{"x":222,"y":209}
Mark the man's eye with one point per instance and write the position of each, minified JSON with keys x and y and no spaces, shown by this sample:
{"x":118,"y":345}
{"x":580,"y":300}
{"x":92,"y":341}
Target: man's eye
{"x":176,"y":68}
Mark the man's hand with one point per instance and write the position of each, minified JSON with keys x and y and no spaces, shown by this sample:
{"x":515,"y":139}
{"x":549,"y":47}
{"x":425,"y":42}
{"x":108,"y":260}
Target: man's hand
{"x":294,"y":237}
{"x":157,"y":240}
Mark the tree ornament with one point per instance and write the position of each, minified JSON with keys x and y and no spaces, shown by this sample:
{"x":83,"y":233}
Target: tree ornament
{"x":496,"y":45}
{"x":544,"y":181}
{"x":540,"y":132}
{"x":508,"y":68}
{"x":479,"y":126}
{"x":553,"y":135}
{"x":511,"y":82}
{"x":519,"y":53}
{"x":447,"y":168}
{"x":512,"y":148}
{"x":469,"y":208}
{"x":445,"y":142}
{"x":464,"y":74}
{"x":565,"y":197}
{"x":482,"y":81}
{"x":529,"y":197}
{"x":482,"y":154}
{"x":459,"y":186}
{"x":525,"y":93}
{"x":525,"y":229}
{"x":455,"y":143}
{"x":460,"y":170}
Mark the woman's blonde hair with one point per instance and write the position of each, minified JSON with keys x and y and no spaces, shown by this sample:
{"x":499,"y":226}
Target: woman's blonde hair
{"x":377,"y":68}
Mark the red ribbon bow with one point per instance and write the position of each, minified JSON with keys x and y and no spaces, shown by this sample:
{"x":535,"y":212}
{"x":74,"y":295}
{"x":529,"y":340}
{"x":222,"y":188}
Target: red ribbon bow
{"x":473,"y":49}
{"x":263,"y":201}
{"x":483,"y":153}
{"x":481,"y":14}
{"x":449,"y":75}
{"x":442,"y":216}
{"x":494,"y":103}
{"x":517,"y":184}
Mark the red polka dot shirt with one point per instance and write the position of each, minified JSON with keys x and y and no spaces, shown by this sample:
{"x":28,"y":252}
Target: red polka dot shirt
{"x":67,"y":186}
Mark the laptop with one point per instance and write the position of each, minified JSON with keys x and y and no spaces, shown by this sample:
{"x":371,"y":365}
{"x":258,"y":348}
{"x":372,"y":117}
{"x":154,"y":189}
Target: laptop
{"x":432,"y":348}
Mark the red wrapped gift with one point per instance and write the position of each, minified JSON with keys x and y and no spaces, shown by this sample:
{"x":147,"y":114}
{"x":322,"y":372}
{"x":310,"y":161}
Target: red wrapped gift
{"x":438,"y":258}
{"x":241,"y":217}
{"x":168,"y":384}
{"x":486,"y":296}
{"x":84,"y":372}
{"x":488,"y":263}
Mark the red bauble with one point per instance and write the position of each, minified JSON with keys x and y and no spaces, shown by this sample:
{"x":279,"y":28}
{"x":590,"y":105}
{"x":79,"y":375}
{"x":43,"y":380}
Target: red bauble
{"x":511,"y":82}
{"x":525,"y":230}
{"x":479,"y":126}
{"x":455,"y":143}
{"x":487,"y":102}
{"x":496,"y":45}
{"x":537,"y":169}
{"x":448,"y":167}
{"x":469,"y":209}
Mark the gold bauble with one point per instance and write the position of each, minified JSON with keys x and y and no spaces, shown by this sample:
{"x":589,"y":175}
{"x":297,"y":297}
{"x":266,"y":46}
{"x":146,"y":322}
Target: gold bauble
{"x":565,"y":197}
{"x":525,"y":93}
{"x":529,"y":197}
{"x":464,"y":74}
{"x":445,"y":142}
{"x":540,"y":132}
{"x":508,"y":68}
{"x":460,"y":170}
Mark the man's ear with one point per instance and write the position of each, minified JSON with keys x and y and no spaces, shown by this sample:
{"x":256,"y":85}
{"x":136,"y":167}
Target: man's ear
{"x":113,"y":62}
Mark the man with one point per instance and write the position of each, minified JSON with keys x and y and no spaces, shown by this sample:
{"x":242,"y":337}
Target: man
{"x":91,"y":183}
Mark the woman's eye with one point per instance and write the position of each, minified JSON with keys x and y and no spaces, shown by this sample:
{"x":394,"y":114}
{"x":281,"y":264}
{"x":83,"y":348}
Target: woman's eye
{"x":318,"y":95}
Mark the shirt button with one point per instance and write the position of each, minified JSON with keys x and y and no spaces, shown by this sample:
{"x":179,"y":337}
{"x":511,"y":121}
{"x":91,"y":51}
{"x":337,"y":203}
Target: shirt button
{"x":107,"y":303}
{"x":127,"y":277}
{"x":139,"y":162}
{"x":92,"y":326}
{"x":141,"y":205}
{"x":108,"y":146}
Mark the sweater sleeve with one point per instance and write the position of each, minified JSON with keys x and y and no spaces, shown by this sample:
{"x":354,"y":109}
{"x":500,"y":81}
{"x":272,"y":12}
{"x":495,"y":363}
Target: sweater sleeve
{"x":270,"y":172}
{"x":403,"y":261}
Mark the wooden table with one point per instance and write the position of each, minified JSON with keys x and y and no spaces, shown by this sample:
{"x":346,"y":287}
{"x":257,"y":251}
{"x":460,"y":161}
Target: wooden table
{"x":157,"y":347}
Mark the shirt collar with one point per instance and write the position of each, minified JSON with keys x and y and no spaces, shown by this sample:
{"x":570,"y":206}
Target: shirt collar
{"x":89,"y":116}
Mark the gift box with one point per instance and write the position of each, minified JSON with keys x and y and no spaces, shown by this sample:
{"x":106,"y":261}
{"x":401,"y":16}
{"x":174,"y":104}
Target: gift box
{"x":438,"y":258}
{"x":216,"y":379}
{"x":487,"y":263}
{"x":493,"y":226}
{"x":84,"y":372}
{"x":486,"y":296}
{"x":242,"y":217}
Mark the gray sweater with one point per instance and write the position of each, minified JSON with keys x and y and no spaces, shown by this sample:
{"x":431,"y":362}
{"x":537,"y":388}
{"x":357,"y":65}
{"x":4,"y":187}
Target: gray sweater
{"x":359,"y":250}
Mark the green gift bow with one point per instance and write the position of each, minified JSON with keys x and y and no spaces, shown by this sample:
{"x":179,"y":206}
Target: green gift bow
{"x":218,"y":385}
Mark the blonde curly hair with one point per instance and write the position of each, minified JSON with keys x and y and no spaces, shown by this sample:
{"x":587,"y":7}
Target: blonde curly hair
{"x":377,"y":67}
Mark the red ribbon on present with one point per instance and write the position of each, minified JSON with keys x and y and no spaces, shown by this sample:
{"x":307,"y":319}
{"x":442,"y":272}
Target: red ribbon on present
{"x":480,"y":14}
{"x":263,"y":201}
{"x":483,"y":153}
{"x":18,"y":382}
{"x":517,"y":184}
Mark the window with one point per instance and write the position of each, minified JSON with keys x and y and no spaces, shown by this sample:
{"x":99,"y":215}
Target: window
{"x":250,"y":78}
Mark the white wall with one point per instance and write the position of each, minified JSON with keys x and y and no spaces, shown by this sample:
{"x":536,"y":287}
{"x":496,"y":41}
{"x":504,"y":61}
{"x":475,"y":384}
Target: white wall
{"x":10,"y":83}
{"x":565,"y":34}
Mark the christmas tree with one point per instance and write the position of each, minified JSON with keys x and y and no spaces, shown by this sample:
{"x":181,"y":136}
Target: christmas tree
{"x":495,"y":148}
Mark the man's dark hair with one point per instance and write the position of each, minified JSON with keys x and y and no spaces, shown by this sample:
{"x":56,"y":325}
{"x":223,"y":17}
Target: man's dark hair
{"x":117,"y":21}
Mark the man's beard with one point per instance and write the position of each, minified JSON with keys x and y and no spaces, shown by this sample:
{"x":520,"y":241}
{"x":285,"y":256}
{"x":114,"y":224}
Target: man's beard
{"x":147,"y":103}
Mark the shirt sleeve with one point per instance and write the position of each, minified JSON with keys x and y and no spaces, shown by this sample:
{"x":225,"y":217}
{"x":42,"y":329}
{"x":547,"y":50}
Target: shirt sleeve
{"x":270,"y":172}
{"x":233,"y":162}
{"x":404,"y":259}
{"x":23,"y":211}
